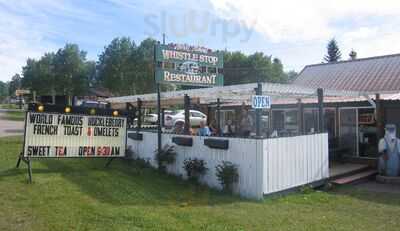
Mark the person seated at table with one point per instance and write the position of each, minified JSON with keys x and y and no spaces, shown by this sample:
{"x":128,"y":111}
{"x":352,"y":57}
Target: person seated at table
{"x":246,"y":124}
{"x":203,"y":130}
{"x":229,"y":129}
{"x":179,"y":128}
{"x":213,"y":128}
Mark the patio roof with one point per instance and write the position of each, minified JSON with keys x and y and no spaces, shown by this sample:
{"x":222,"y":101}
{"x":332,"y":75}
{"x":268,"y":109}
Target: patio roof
{"x":231,"y":94}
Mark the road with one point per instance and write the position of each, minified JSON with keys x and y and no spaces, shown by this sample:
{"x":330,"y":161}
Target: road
{"x":10,"y":128}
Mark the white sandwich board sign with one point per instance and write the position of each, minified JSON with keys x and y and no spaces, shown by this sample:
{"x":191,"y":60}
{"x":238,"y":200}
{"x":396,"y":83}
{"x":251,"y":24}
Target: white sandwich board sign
{"x":69,"y":135}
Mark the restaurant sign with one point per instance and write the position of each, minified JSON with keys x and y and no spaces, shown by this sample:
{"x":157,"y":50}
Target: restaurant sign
{"x":188,"y":65}
{"x":69,"y":135}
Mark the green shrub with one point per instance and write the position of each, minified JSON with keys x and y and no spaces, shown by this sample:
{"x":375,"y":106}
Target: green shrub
{"x":227,"y":174}
{"x":165,"y":156}
{"x":194,"y":168}
{"x":129,"y":153}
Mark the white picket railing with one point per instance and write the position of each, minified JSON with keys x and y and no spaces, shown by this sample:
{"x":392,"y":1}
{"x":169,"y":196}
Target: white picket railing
{"x":265,"y":166}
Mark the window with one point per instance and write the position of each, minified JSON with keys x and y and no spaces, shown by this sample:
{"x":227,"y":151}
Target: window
{"x":310,"y":121}
{"x":196,"y":114}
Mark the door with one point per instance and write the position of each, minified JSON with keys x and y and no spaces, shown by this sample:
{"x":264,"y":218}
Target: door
{"x":348,"y":131}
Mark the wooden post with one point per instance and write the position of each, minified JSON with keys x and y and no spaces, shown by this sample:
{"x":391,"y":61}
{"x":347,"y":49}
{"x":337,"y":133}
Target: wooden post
{"x":300,"y":117}
{"x":29,"y":169}
{"x":208,"y":114}
{"x":159,"y":141}
{"x":34,"y":96}
{"x":380,"y":127}
{"x":187,"y":114}
{"x":162,"y":117}
{"x":218,"y":117}
{"x":320,"y":94}
{"x":258,"y":112}
{"x":139,"y":121}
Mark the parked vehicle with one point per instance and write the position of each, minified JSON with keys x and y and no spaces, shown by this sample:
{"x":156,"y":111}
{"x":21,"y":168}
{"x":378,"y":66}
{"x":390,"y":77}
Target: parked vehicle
{"x":152,"y":117}
{"x":94,"y":104}
{"x":179,"y":116}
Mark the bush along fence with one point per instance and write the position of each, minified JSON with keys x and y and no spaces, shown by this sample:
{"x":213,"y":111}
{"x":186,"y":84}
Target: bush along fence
{"x":248,"y":167}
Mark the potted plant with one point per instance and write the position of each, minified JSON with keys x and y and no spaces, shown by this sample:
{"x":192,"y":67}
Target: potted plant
{"x":195,"y":168}
{"x":165,"y":156}
{"x":227,"y":174}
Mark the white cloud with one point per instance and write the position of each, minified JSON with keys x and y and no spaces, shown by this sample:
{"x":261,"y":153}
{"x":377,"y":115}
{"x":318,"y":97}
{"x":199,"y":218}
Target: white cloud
{"x":291,"y":21}
{"x":368,"y":26}
{"x":25,"y":29}
{"x":18,"y":40}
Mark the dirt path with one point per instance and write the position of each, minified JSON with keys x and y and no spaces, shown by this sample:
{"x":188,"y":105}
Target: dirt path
{"x":10,"y":128}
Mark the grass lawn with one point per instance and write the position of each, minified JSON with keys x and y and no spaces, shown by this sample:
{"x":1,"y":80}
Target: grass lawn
{"x":14,"y":115}
{"x":9,"y":106}
{"x":80,"y":194}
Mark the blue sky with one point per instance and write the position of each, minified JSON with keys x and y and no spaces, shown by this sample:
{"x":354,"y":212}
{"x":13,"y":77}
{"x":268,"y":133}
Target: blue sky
{"x":294,"y":31}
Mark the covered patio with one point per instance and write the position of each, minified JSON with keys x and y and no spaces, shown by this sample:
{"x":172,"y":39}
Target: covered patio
{"x":269,"y":160}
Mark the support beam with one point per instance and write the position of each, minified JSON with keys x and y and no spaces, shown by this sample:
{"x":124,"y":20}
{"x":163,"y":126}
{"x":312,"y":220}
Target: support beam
{"x":163,"y":117}
{"x":130,"y":109}
{"x":258,"y":112}
{"x":300,"y":116}
{"x":218,"y":117}
{"x":159,"y":118}
{"x":320,"y":93}
{"x":139,"y":121}
{"x":379,"y":117}
{"x":187,"y":115}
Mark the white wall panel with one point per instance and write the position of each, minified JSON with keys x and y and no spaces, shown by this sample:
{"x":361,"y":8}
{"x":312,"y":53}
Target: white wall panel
{"x":294,"y":161}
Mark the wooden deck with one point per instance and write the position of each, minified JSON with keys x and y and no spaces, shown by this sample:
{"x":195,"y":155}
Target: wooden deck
{"x":341,"y":169}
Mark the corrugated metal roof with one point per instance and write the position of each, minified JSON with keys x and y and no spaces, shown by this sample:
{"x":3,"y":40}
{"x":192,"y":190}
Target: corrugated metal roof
{"x":235,"y":93}
{"x":374,"y":75}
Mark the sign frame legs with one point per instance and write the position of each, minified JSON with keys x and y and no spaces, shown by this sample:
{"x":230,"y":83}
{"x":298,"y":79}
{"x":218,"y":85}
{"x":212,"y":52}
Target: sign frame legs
{"x":28,"y":162}
{"x":109,"y":162}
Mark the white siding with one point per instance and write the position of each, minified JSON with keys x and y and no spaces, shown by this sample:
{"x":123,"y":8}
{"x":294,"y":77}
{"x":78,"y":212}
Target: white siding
{"x":294,"y":161}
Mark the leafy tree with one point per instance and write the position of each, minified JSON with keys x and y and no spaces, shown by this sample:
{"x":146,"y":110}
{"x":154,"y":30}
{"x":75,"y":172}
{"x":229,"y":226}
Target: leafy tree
{"x":291,"y":76}
{"x":14,"y":84}
{"x":63,"y":73}
{"x":116,"y":65}
{"x":70,"y":71}
{"x":3,"y":89}
{"x":333,"y":51}
{"x":240,"y":68}
{"x":127,"y":69}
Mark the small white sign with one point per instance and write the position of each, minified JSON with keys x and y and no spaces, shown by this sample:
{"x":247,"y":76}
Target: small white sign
{"x":260,"y":101}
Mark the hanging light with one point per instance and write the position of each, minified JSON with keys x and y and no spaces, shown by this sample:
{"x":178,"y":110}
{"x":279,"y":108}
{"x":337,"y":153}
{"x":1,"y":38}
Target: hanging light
{"x":115,"y":113}
{"x":92,"y":111}
{"x":67,"y":110}
{"x":40,"y":108}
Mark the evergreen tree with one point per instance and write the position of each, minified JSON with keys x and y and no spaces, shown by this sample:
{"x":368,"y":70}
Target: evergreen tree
{"x":334,"y":53}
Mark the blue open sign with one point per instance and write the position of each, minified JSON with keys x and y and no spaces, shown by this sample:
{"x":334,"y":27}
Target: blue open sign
{"x":260,"y":101}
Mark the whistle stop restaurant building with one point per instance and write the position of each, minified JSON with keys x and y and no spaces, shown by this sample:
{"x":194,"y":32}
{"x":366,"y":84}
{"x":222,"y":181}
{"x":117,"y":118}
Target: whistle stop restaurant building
{"x":355,"y":124}
{"x":272,"y":162}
